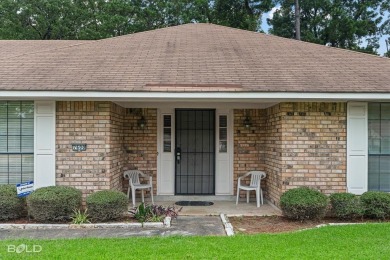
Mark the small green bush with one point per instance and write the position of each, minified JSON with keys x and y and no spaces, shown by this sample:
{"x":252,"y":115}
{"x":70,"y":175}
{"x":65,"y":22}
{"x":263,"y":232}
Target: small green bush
{"x":11,"y":207}
{"x":346,"y":206}
{"x":303,"y":203}
{"x":376,"y":204}
{"x":106,"y":205}
{"x":54,"y":203}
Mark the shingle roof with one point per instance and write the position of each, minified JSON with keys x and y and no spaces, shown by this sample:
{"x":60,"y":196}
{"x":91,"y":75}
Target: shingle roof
{"x":191,"y":57}
{"x":14,"y":48}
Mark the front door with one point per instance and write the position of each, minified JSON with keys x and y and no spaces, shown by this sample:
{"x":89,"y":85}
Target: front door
{"x":195,"y":152}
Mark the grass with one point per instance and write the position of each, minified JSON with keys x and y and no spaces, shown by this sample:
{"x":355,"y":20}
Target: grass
{"x":370,"y":241}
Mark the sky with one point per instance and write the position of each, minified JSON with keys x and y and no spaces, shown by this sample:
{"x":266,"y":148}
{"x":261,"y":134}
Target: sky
{"x":265,"y":27}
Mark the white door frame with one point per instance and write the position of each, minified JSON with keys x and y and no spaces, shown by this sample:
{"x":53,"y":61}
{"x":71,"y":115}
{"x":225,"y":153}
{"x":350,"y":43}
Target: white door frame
{"x":166,"y":160}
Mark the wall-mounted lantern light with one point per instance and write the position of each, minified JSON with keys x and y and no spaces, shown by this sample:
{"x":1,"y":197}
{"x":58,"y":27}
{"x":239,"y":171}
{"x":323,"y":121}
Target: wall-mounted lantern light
{"x":142,"y":121}
{"x":247,"y":121}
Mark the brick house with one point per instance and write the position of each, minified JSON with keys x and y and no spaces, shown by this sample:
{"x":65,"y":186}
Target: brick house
{"x":227,"y":100}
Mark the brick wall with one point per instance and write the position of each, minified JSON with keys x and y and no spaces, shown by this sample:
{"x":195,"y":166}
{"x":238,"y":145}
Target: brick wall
{"x":98,"y":124}
{"x":141,"y":144}
{"x":117,"y":154}
{"x":273,"y":152}
{"x":306,"y":146}
{"x":297,"y":144}
{"x":248,"y":143}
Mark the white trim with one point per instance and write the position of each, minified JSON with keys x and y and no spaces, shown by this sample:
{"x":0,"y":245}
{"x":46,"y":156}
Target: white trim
{"x":162,"y":174}
{"x":195,"y":96}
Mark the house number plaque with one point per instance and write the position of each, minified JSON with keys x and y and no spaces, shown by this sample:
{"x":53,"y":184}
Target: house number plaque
{"x":79,"y":147}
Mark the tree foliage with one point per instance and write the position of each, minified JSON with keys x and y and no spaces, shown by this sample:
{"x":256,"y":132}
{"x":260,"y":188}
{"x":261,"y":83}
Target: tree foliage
{"x":96,"y":19}
{"x":385,"y":26}
{"x":244,"y":14}
{"x":338,"y":23}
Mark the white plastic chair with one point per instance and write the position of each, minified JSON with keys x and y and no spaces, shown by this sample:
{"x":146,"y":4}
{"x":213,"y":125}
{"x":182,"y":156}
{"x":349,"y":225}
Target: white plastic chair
{"x":255,"y":184}
{"x":134,"y":184}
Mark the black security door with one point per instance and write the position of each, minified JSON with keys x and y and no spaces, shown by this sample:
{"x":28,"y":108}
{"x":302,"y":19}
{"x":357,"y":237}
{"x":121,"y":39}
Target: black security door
{"x":195,"y":152}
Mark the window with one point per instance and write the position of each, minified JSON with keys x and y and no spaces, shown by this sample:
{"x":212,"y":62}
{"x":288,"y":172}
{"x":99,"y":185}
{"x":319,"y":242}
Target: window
{"x":16,"y":141}
{"x":223,"y":134}
{"x":167,"y":137}
{"x":379,"y":146}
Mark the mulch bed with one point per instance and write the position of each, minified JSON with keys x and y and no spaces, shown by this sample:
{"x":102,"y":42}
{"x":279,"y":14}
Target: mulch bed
{"x":279,"y":224}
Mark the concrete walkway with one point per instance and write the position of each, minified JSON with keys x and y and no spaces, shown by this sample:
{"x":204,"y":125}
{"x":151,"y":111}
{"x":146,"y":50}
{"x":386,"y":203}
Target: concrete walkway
{"x":229,"y":208}
{"x":183,"y":226}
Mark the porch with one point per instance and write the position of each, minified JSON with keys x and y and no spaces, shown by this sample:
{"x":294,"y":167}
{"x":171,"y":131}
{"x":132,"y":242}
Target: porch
{"x":295,"y":143}
{"x":221,"y":205}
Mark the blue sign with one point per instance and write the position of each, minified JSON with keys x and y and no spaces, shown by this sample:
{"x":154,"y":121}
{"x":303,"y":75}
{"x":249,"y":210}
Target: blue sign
{"x":24,"y":189}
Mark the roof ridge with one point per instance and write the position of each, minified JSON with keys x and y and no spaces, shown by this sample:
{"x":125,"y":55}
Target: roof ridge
{"x":87,"y":41}
{"x":190,"y":24}
{"x":57,"y":48}
{"x":301,"y":41}
{"x":148,"y":31}
{"x":330,"y":47}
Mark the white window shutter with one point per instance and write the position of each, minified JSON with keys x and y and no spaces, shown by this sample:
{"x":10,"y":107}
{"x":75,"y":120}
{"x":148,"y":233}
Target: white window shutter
{"x":357,"y":147}
{"x":44,"y":145}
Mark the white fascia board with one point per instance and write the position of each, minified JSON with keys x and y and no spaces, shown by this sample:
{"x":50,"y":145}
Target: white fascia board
{"x":192,"y":96}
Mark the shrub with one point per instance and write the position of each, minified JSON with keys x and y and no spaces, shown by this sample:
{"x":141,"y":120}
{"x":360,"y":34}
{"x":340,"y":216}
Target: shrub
{"x":376,"y":204}
{"x":11,"y":207}
{"x":303,"y":203}
{"x":346,"y":206}
{"x":154,"y":213}
{"x":54,"y":203}
{"x":106,"y":205}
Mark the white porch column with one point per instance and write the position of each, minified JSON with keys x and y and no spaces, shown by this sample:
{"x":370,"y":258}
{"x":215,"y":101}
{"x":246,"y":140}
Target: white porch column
{"x":44,"y":143}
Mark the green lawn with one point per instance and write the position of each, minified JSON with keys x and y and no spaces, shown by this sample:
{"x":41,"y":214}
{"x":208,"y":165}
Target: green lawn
{"x":371,"y":241}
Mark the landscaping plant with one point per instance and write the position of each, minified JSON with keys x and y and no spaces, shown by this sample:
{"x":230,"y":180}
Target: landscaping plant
{"x":11,"y":207}
{"x":376,"y":204}
{"x":154,"y":213}
{"x":53,"y":203}
{"x":303,"y":203}
{"x":106,"y":205}
{"x":80,"y":217}
{"x":142,"y":213}
{"x":346,"y":206}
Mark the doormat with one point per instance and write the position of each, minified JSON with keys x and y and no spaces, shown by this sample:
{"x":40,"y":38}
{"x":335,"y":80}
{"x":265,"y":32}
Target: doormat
{"x":194,"y":203}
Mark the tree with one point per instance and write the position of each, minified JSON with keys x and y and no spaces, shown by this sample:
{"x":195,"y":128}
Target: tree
{"x":385,"y":27}
{"x":96,"y":19}
{"x":297,"y":15}
{"x":103,"y":19}
{"x":243,"y":14}
{"x":39,"y":19}
{"x":337,"y":23}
